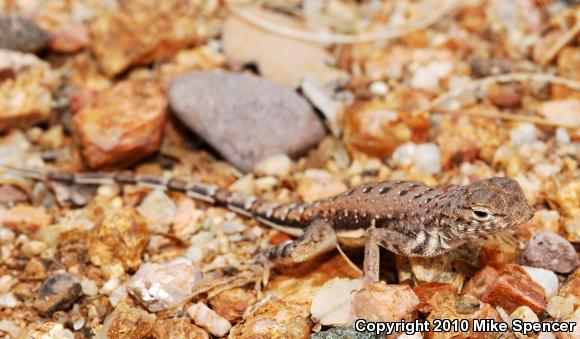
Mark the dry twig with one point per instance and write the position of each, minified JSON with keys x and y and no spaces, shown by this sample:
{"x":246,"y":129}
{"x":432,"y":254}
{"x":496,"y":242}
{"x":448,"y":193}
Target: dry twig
{"x":335,"y":38}
{"x":473,"y":85}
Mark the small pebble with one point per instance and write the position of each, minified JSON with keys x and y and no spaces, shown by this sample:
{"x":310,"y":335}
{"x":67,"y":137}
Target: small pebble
{"x":6,"y":235}
{"x":562,"y":135}
{"x":21,"y":34}
{"x":277,"y":165}
{"x":57,"y":293}
{"x":8,"y":300}
{"x":332,"y":304}
{"x":232,"y":227}
{"x":205,"y":317}
{"x":545,"y":278}
{"x":159,"y":211}
{"x":523,"y":134}
{"x":524,"y":313}
{"x":560,"y":307}
{"x":426,"y":157}
{"x":89,"y":287}
{"x":550,"y":251}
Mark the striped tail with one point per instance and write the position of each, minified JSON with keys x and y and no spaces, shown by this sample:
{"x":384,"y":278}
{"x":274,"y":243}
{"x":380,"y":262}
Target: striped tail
{"x":246,"y":205}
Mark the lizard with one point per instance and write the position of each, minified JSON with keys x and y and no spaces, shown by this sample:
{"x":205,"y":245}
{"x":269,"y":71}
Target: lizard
{"x":408,"y":218}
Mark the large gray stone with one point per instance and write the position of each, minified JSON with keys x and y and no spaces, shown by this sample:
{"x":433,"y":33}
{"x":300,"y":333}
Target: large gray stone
{"x":243,"y":117}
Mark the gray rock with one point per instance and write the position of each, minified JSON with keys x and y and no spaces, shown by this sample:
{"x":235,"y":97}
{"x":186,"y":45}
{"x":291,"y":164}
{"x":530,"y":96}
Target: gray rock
{"x":550,"y":251}
{"x":21,"y":34}
{"x":58,"y":292}
{"x":244,"y":117}
{"x":344,"y":333}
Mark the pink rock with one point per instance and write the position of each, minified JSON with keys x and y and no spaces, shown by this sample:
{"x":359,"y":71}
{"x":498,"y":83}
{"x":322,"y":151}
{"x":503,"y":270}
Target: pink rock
{"x":205,"y":317}
{"x":382,"y":302}
{"x":70,"y":38}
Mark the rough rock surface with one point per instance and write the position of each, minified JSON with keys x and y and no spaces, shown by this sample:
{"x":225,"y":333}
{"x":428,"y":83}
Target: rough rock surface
{"x":550,"y":251}
{"x":244,"y":117}
{"x":21,"y":34}
{"x":127,"y":322}
{"x":57,"y":293}
{"x":124,"y":125}
{"x":382,"y":302}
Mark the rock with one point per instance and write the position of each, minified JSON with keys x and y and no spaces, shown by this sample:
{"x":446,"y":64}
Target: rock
{"x":8,"y":300}
{"x":318,"y":184}
{"x":25,"y":219}
{"x":159,"y":211}
{"x":545,"y":278}
{"x":127,"y":322}
{"x":332,"y":305}
{"x":344,"y":333}
{"x":565,"y":111}
{"x":496,"y":251}
{"x":467,"y":308}
{"x":48,"y":330}
{"x":277,"y":165}
{"x":21,"y":34}
{"x":208,"y":319}
{"x":231,"y":304}
{"x":425,"y":157}
{"x":187,"y":220}
{"x":564,"y":195}
{"x":58,"y":292}
{"x":382,"y":302}
{"x":378,"y":128}
{"x":284,"y":60}
{"x":178,"y":328}
{"x":26,"y":85}
{"x":140,"y":32}
{"x":510,"y":287}
{"x":561,"y":307}
{"x":124,"y":125}
{"x":274,"y":318}
{"x":89,"y":287}
{"x":523,"y":134}
{"x":427,"y":77}
{"x":504,"y":96}
{"x":543,"y":221}
{"x":575,"y":318}
{"x":120,"y":237}
{"x":524,"y":313}
{"x":485,"y":67}
{"x":70,"y":38}
{"x":11,"y":194}
{"x":244,"y":117}
{"x":161,"y":286}
{"x":550,"y":251}
{"x":432,"y":294}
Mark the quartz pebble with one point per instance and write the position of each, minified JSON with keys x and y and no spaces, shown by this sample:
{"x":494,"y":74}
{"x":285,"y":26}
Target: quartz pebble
{"x":332,"y":305}
{"x":425,"y":157}
{"x":8,"y":300}
{"x":277,"y":165}
{"x":205,"y":317}
{"x":524,"y":313}
{"x":48,"y":330}
{"x":561,"y":307}
{"x":159,"y":211}
{"x":545,"y":278}
{"x":231,"y":304}
{"x":161,"y":286}
{"x":244,"y":117}
{"x":550,"y":251}
{"x":523,"y":134}
{"x":57,"y":293}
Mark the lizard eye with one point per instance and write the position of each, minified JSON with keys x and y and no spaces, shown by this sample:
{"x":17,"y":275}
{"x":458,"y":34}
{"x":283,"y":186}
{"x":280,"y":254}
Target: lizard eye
{"x":480,"y":214}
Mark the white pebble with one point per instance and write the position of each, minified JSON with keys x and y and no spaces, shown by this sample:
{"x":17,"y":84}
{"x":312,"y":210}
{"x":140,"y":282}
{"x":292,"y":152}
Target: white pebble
{"x":524,"y":313}
{"x":560,"y":307}
{"x":79,"y":323}
{"x":523,"y":134}
{"x":332,"y":304}
{"x":6,"y":235}
{"x":379,"y":88}
{"x":8,"y":300}
{"x":89,"y":287}
{"x":425,"y":157}
{"x":118,"y":295}
{"x":205,"y":317}
{"x":545,"y":278}
{"x":159,"y":210}
{"x":562,"y":135}
{"x":277,"y":165}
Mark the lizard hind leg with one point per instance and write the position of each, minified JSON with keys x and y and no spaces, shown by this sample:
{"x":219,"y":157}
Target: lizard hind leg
{"x":318,"y":238}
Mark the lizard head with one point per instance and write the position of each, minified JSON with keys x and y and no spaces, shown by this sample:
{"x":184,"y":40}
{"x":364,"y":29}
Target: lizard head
{"x":493,"y":205}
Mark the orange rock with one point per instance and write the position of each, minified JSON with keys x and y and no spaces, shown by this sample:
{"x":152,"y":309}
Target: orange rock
{"x":178,"y":328}
{"x":70,"y":38}
{"x":127,"y":322}
{"x":231,"y":304}
{"x":124,"y":125}
{"x":274,"y":319}
{"x":140,"y":32}
{"x":462,"y":308}
{"x":25,"y":219}
{"x":510,"y":288}
{"x":382,"y":302}
{"x":497,"y":252}
{"x":82,"y":98}
{"x":504,"y":96}
{"x":378,"y":128}
{"x":120,"y":237}
{"x":432,"y":294}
